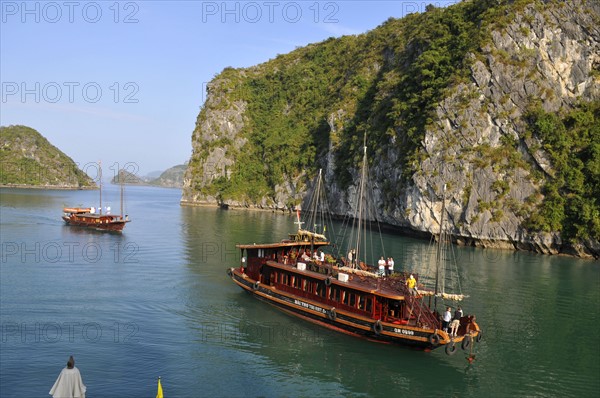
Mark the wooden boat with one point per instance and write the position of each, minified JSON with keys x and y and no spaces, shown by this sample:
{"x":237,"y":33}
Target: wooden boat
{"x":89,"y":217}
{"x":347,"y":296}
{"x":83,"y":217}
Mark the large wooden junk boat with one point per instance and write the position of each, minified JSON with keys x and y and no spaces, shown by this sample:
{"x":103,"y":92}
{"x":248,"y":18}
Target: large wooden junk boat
{"x":90,"y":217}
{"x":345,"y":294}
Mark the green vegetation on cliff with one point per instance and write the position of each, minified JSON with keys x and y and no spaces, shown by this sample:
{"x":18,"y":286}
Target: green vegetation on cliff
{"x":385,"y":83}
{"x":28,"y":159}
{"x":423,"y":56}
{"x":571,"y":202}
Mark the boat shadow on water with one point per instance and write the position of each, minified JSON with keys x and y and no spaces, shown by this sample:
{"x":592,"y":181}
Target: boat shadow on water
{"x":355,"y":365}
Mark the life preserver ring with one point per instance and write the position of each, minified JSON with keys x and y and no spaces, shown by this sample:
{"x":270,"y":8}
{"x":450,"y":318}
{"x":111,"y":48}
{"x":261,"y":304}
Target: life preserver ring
{"x":479,"y":336}
{"x":229,"y":272}
{"x":466,"y":343}
{"x":377,"y":327}
{"x":328,"y":281}
{"x":332,"y":314}
{"x":255,"y":286}
{"x":434,"y":339}
{"x":451,"y":348}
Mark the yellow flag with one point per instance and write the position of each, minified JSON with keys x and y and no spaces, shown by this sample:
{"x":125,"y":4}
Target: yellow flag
{"x":159,"y":393}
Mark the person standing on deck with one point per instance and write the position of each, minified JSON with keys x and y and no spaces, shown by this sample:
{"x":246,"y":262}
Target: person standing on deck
{"x":455,"y":324}
{"x":458,"y":313}
{"x":390,"y":263}
{"x":350,"y":259}
{"x":411,"y":283}
{"x":446,"y":318}
{"x":381,"y":264}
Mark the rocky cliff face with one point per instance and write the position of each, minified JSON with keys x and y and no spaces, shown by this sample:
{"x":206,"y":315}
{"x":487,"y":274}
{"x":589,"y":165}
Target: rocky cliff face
{"x":475,"y":141}
{"x":216,"y":141}
{"x":550,"y":56}
{"x":27,"y":159}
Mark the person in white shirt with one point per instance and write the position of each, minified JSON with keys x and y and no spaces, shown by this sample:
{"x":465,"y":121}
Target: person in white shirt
{"x":381,"y":264}
{"x":390,"y":264}
{"x":446,"y":318}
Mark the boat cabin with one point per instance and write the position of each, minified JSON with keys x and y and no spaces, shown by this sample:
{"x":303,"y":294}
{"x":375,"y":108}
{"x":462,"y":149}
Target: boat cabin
{"x":297,"y":267}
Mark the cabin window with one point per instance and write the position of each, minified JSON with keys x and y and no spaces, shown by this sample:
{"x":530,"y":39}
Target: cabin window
{"x":369,"y":304}
{"x":284,"y":279}
{"x":320,"y":290}
{"x":305,"y":285}
{"x":361,"y":302}
{"x":334,"y":294}
{"x":261,"y":252}
{"x":345,"y":297}
{"x":394,"y":309}
{"x":352,"y":299}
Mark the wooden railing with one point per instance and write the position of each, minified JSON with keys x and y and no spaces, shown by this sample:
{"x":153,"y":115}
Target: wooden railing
{"x":419,"y":310}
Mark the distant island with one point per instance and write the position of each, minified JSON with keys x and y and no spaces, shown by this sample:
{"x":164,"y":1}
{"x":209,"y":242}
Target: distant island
{"x":170,"y":178}
{"x":28,"y":160}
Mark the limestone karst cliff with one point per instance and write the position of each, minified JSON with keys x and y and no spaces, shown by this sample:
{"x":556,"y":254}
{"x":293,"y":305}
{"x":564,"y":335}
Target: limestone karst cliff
{"x":497,"y":99}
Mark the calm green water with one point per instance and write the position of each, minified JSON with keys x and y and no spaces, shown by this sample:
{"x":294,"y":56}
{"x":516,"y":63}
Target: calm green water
{"x":155,"y":301}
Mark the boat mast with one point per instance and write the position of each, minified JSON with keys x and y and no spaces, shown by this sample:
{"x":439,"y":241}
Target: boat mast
{"x":100,"y":174}
{"x":361,"y":203}
{"x":314,"y":218}
{"x":439,"y":249}
{"x":121,"y":183}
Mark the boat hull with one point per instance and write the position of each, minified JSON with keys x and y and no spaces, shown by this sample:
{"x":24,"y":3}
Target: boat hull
{"x":344,"y":321}
{"x":103,"y":225}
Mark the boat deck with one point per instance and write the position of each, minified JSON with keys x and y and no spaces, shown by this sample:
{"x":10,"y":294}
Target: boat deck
{"x":392,"y":286}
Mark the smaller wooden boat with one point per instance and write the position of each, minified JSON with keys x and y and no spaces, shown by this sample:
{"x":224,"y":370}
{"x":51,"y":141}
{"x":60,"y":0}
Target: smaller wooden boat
{"x":89,"y":217}
{"x":83,"y":217}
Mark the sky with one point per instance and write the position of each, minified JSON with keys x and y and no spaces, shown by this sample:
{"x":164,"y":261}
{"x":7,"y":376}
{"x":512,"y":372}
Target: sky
{"x":123,"y":81}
